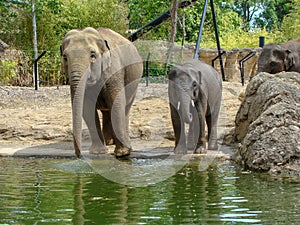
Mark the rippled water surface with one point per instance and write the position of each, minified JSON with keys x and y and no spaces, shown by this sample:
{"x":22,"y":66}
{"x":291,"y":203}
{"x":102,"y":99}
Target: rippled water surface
{"x":47,"y":191}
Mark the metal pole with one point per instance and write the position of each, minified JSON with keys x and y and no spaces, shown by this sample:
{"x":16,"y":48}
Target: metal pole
{"x":147,"y":69}
{"x":214,"y":59}
{"x":261,"y":41}
{"x":35,"y":69}
{"x":157,"y":21}
{"x":196,"y":53}
{"x":242,"y":67}
{"x":217,"y":38}
{"x":144,"y":29}
{"x":34,"y":38}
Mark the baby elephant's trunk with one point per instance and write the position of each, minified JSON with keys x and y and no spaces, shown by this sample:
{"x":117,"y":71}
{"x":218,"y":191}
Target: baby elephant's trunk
{"x":183,"y":107}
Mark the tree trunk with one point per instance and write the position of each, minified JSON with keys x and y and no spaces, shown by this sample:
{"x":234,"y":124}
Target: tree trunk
{"x":173,"y":11}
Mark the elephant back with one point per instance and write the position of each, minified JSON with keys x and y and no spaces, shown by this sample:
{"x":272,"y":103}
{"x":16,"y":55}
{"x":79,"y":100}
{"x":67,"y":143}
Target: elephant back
{"x":209,"y":74}
{"x":115,"y":39}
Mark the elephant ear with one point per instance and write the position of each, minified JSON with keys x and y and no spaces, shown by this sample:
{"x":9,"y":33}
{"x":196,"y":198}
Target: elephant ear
{"x":289,"y":60}
{"x":105,"y":53}
{"x":196,"y":84}
{"x":103,"y":45}
{"x":63,"y":66}
{"x":200,"y":77}
{"x":172,"y":73}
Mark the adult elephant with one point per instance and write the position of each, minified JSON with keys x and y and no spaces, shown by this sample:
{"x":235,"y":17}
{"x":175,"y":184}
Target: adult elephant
{"x":104,"y":70}
{"x":195,"y":92}
{"x":276,"y":58}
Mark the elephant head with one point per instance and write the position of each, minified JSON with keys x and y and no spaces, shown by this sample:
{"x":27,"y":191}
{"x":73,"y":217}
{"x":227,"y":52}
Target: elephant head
{"x":274,"y":59}
{"x":184,"y":90}
{"x":84,"y":57}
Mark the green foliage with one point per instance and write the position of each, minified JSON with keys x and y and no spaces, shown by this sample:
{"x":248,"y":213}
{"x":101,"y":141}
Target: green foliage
{"x":272,"y":13}
{"x":143,"y":11}
{"x":291,"y":22}
{"x":54,"y":19}
{"x":247,"y":10}
{"x":7,"y":71}
{"x":49,"y":69}
{"x":244,"y":39}
{"x":240,"y":23}
{"x":157,"y":69}
{"x":93,"y":13}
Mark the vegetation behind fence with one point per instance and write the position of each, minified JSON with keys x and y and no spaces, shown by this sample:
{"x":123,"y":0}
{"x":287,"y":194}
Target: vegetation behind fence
{"x":16,"y":67}
{"x":239,"y":26}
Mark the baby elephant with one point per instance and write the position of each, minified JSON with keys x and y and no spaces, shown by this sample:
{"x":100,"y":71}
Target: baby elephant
{"x":195,"y":92}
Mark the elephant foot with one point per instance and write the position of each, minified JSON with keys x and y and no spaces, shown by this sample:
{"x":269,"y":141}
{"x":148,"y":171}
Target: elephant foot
{"x":96,"y":150}
{"x":180,"y":150}
{"x":200,"y":150}
{"x":191,"y":146}
{"x":213,"y":145}
{"x":121,"y":152}
{"x":77,"y":151}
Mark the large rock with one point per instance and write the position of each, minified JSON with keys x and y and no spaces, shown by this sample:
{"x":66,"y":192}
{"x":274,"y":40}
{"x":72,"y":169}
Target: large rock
{"x":268,"y":121}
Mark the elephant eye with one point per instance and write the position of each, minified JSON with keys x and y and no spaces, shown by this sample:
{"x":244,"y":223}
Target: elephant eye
{"x":195,"y":94}
{"x":194,"y":84}
{"x":195,"y":91}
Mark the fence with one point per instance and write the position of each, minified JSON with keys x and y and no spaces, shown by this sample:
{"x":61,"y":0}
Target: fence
{"x":16,"y":67}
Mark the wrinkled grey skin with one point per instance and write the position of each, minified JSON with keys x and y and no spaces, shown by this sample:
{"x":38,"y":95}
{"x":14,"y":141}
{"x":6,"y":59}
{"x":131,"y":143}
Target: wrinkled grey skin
{"x":104,"y":70}
{"x":195,"y":92}
{"x":276,"y":58}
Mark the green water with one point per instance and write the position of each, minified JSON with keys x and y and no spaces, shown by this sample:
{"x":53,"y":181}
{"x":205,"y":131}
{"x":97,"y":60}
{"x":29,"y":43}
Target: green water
{"x":47,"y":191}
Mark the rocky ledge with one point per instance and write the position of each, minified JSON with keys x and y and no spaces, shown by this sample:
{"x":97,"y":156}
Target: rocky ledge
{"x":267,"y":124}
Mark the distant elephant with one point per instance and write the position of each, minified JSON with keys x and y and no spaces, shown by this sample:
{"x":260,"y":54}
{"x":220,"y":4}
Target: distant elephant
{"x":276,"y":58}
{"x":104,"y":70}
{"x":195,"y":92}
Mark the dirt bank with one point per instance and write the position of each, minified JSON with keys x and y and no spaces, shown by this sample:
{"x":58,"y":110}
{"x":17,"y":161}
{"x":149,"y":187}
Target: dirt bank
{"x":29,"y":117}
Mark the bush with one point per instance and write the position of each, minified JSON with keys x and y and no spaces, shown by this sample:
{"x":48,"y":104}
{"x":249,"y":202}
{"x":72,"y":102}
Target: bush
{"x":7,"y":71}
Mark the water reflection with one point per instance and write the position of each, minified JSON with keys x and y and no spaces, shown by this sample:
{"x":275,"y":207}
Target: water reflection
{"x":277,"y":200}
{"x":190,"y":197}
{"x":68,"y":192}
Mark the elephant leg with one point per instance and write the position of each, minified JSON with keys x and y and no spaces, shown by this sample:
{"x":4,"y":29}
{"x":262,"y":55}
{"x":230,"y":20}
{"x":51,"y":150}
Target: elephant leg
{"x":91,"y":118}
{"x":179,"y":131}
{"x":201,"y":143}
{"x":129,"y":98}
{"x":120,"y":123}
{"x":212,"y":121}
{"x":108,"y":131}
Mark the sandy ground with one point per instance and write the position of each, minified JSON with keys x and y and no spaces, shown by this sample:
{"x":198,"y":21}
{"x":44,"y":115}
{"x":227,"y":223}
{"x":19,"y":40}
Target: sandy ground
{"x":43,"y":117}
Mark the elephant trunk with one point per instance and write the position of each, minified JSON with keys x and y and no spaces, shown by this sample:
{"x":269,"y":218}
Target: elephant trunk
{"x":78,"y":85}
{"x":183,"y":107}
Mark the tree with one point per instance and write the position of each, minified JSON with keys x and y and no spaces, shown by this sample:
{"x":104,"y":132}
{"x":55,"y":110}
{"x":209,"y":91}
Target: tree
{"x":54,"y":19}
{"x":173,"y":28}
{"x":261,"y":13}
{"x":272,"y":14}
{"x":247,"y":10}
{"x":291,"y":22}
{"x":143,"y":11}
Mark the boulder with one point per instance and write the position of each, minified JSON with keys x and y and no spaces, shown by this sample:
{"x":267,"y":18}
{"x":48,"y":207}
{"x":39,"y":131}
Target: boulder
{"x":267,"y":124}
